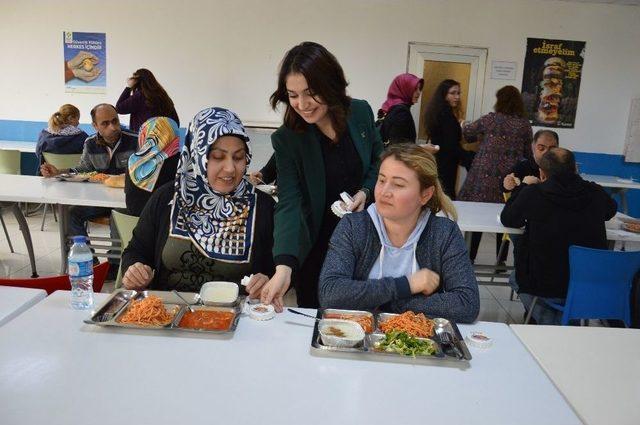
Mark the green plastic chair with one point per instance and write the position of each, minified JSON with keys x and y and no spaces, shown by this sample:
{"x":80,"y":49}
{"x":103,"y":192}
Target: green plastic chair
{"x":125,"y":224}
{"x":61,"y":162}
{"x":9,"y":161}
{"x":9,"y":164}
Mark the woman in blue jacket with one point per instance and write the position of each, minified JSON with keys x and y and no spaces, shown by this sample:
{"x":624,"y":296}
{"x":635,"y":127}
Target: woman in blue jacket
{"x":398,"y":255}
{"x":62,"y":136}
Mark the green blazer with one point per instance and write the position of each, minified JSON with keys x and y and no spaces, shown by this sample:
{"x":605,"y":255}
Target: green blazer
{"x":301,"y":179}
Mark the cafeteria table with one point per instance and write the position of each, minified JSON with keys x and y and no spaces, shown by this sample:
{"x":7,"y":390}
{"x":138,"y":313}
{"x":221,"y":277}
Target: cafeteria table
{"x":617,"y":184}
{"x":596,"y":369}
{"x":55,"y":369}
{"x":40,"y":190}
{"x":15,"y":301}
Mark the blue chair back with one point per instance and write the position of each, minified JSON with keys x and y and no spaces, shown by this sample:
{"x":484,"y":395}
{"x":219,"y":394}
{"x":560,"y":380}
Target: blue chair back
{"x":600,"y":284}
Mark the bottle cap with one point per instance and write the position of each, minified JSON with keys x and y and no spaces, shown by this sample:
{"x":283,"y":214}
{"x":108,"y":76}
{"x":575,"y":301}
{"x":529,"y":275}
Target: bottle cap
{"x":262,"y":312}
{"x":479,"y":340}
{"x":80,"y":238}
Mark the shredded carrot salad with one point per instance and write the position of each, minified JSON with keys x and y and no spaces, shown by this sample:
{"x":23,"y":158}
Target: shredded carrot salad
{"x":149,"y":312}
{"x":414,"y":324}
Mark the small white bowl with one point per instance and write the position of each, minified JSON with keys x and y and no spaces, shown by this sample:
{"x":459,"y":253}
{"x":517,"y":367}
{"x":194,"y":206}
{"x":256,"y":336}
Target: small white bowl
{"x":354,"y":334}
{"x":219,"y":293}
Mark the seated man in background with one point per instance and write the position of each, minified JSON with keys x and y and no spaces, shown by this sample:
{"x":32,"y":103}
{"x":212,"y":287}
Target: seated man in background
{"x":562,"y":210}
{"x":527,"y":171}
{"x":107,"y":151}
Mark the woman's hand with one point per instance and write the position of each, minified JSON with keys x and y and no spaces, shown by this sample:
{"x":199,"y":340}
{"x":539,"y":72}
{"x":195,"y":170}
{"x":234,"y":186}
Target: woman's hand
{"x":137,"y":276}
{"x":424,"y":281}
{"x":255,"y":178}
{"x":255,"y":285}
{"x":274,"y":290}
{"x":48,"y":170}
{"x":359,"y":199}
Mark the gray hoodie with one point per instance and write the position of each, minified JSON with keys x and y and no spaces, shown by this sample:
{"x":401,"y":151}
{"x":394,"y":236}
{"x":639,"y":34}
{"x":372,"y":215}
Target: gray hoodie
{"x":394,"y":261}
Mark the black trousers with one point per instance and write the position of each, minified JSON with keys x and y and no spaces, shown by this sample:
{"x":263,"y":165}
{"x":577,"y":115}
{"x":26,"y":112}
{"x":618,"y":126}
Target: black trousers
{"x":476,"y":237}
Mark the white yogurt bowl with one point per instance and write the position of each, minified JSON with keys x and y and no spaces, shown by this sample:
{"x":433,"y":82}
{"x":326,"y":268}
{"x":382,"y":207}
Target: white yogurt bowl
{"x":340,"y":333}
{"x":219,"y":293}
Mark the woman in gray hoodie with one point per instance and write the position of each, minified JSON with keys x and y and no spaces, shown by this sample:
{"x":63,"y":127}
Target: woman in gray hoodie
{"x":398,"y":255}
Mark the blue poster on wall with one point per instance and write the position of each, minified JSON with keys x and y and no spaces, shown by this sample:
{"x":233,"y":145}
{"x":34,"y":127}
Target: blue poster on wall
{"x":85,"y":62}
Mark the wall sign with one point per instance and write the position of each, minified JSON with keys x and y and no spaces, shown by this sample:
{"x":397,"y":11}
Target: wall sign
{"x":501,"y":70}
{"x":551,"y":81}
{"x":85,"y":62}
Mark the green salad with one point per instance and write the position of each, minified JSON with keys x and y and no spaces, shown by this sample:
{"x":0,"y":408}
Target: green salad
{"x":405,"y":344}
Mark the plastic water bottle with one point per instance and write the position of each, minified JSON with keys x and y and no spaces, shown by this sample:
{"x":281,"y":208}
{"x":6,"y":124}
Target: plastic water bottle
{"x":81,"y":274}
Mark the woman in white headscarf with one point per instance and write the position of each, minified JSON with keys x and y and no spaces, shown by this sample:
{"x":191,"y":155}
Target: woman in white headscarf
{"x":211,"y":224}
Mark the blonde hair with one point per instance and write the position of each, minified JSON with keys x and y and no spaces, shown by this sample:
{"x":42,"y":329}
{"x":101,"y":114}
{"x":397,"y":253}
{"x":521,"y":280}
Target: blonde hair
{"x":60,"y":119}
{"x":425,"y":167}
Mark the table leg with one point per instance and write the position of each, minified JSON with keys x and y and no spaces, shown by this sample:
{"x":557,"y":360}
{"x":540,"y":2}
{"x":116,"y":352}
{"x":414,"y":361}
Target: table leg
{"x":63,"y":217}
{"x":24,"y":228}
{"x":623,"y":201}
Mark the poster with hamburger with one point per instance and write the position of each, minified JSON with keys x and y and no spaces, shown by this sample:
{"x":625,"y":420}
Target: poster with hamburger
{"x":551,"y":81}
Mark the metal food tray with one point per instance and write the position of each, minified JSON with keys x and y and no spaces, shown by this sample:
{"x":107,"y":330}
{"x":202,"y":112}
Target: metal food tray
{"x":117,"y":304}
{"x":71,"y":177}
{"x":366,"y":350}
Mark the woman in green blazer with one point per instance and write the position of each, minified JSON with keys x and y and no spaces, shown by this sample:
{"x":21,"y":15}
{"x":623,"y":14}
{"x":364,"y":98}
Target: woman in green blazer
{"x":328,"y":144}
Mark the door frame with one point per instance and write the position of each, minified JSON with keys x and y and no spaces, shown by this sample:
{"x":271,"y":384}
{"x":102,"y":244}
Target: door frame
{"x":418,"y":52}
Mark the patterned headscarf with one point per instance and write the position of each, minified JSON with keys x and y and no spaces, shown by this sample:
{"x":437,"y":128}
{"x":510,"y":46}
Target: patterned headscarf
{"x":219,"y":225}
{"x":401,"y":90}
{"x":158,"y":139}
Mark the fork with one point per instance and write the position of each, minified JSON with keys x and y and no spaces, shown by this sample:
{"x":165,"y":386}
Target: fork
{"x":446,"y":339}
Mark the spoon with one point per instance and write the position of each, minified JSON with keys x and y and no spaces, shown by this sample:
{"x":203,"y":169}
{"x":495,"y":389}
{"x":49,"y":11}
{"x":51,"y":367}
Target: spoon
{"x":185,"y":301}
{"x":303,"y":314}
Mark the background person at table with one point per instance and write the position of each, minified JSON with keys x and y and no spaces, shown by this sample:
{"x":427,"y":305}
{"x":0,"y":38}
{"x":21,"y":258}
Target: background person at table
{"x":394,"y":116}
{"x":527,"y":171}
{"x":328,"y":144}
{"x":398,"y":255}
{"x":154,"y":164}
{"x":505,"y":136}
{"x":561,"y":211}
{"x":62,"y":135}
{"x":443,"y":130}
{"x":211,"y":224}
{"x":145,"y":98}
{"x":107,"y":151}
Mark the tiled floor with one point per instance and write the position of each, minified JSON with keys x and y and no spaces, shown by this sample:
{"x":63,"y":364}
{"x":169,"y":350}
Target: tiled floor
{"x":495,"y":305}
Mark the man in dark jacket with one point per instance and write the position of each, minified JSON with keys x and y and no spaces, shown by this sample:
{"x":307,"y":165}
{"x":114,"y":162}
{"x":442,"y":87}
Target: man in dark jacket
{"x":107,"y":151}
{"x":527,"y":171}
{"x":562,"y":210}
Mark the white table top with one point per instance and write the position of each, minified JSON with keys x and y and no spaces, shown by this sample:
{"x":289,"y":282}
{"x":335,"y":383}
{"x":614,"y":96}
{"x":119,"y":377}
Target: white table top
{"x":18,"y":145}
{"x":485,"y":217}
{"x":52,"y":191}
{"x":264,"y":374}
{"x":612,"y":181}
{"x":14,"y":301}
{"x":596,"y":369}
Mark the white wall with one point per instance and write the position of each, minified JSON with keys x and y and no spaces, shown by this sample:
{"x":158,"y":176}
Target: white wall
{"x":226,"y":52}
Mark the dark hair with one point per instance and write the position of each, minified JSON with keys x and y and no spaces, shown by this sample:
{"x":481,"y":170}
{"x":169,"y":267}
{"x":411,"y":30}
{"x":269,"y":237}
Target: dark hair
{"x":437,"y":105}
{"x":551,"y":133}
{"x":95,"y":109}
{"x":326,"y":82}
{"x":509,"y":102}
{"x":155,"y":96}
{"x":558,"y":161}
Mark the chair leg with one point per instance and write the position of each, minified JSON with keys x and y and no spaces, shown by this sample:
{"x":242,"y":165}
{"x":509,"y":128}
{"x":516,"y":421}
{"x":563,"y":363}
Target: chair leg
{"x":44,"y":216}
{"x":6,"y":233}
{"x":55,"y":216}
{"x":533,"y":304}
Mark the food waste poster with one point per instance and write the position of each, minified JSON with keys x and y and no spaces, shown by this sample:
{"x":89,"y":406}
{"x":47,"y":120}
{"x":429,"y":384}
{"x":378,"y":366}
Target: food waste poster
{"x":85,"y":62}
{"x":551,"y":81}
